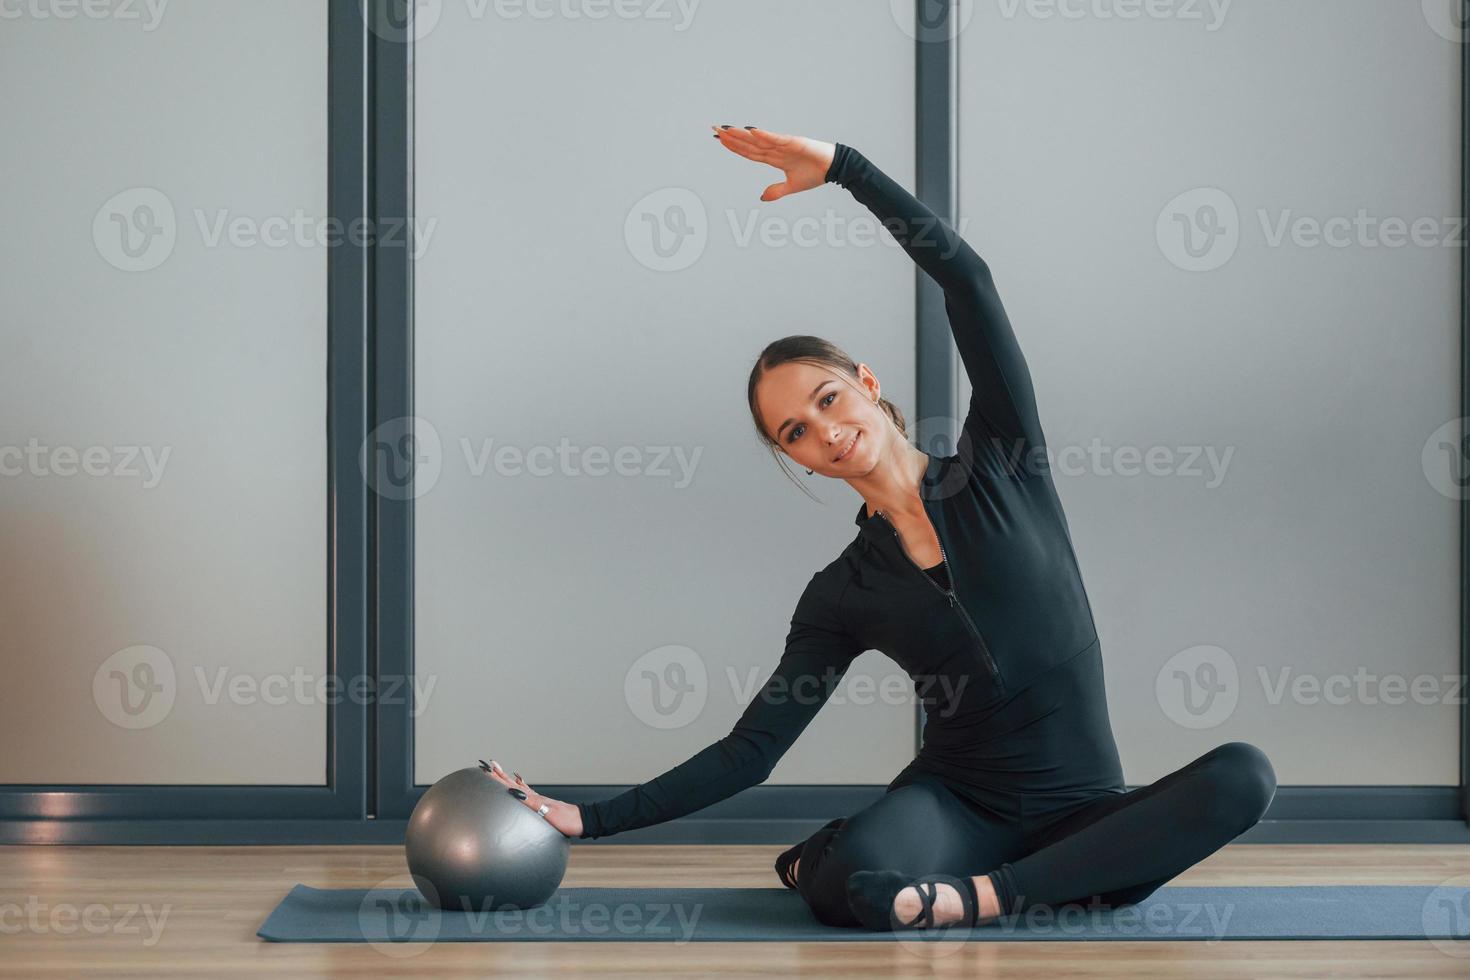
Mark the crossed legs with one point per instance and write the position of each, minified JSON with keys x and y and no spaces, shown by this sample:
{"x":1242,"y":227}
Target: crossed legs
{"x":1113,"y":850}
{"x":919,"y":828}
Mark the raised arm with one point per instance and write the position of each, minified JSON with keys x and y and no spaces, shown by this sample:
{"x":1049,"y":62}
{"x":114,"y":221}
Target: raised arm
{"x":818,"y":652}
{"x":1003,"y":402}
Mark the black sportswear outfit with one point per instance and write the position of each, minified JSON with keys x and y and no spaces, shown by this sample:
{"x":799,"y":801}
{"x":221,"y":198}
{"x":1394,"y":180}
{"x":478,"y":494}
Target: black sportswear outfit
{"x":1018,"y":775}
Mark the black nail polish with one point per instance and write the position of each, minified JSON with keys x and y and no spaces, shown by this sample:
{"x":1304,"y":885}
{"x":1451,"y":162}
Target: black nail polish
{"x":714,"y":136}
{"x":725,"y":126}
{"x":516,"y":793}
{"x":750,"y":127}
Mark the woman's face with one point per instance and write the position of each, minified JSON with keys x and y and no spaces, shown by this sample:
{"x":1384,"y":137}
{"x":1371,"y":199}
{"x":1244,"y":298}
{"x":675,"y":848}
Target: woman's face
{"x":825,"y":421}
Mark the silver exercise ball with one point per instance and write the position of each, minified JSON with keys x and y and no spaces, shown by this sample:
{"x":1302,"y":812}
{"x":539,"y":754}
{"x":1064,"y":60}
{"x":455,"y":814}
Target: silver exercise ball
{"x":473,"y":847}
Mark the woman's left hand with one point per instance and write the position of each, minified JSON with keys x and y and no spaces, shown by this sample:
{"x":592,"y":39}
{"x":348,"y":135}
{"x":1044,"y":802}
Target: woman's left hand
{"x":565,"y":817}
{"x":804,"y":161}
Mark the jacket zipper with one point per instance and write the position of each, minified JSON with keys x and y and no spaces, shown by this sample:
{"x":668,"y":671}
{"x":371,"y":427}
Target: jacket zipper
{"x":948,"y":594}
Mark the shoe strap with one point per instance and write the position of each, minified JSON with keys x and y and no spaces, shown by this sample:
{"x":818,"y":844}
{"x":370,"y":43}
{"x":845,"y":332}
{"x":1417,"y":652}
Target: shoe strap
{"x":926,"y":901}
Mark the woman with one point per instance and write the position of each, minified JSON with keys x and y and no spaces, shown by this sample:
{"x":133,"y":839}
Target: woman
{"x":963,"y":572}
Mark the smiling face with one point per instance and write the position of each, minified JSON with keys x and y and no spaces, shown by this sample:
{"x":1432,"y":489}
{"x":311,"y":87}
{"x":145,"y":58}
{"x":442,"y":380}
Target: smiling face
{"x":828,"y":422}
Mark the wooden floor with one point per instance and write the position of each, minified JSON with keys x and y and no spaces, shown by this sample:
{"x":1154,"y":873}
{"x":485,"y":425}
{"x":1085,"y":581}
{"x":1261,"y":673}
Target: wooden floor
{"x":206,"y":903}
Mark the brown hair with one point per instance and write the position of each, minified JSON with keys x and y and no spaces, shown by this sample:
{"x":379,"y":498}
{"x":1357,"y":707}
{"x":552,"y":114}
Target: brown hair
{"x":811,"y":350}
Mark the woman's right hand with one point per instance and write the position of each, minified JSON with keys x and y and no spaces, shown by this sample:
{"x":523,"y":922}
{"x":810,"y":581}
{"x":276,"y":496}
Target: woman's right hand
{"x":565,"y":817}
{"x":804,"y":161}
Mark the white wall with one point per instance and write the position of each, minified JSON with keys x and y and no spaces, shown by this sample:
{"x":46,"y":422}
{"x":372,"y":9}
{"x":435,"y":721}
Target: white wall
{"x":208,"y":354}
{"x":542,"y":315}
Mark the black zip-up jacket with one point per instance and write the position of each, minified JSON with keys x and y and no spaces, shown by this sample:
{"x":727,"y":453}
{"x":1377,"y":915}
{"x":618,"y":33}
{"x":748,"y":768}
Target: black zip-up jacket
{"x":1006,"y":662}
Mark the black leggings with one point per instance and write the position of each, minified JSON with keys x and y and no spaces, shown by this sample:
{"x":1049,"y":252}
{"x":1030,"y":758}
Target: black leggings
{"x":1114,"y":849}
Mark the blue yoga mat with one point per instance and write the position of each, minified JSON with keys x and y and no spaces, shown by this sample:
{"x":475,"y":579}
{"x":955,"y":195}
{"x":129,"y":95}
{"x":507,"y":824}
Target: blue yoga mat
{"x":398,"y":915}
